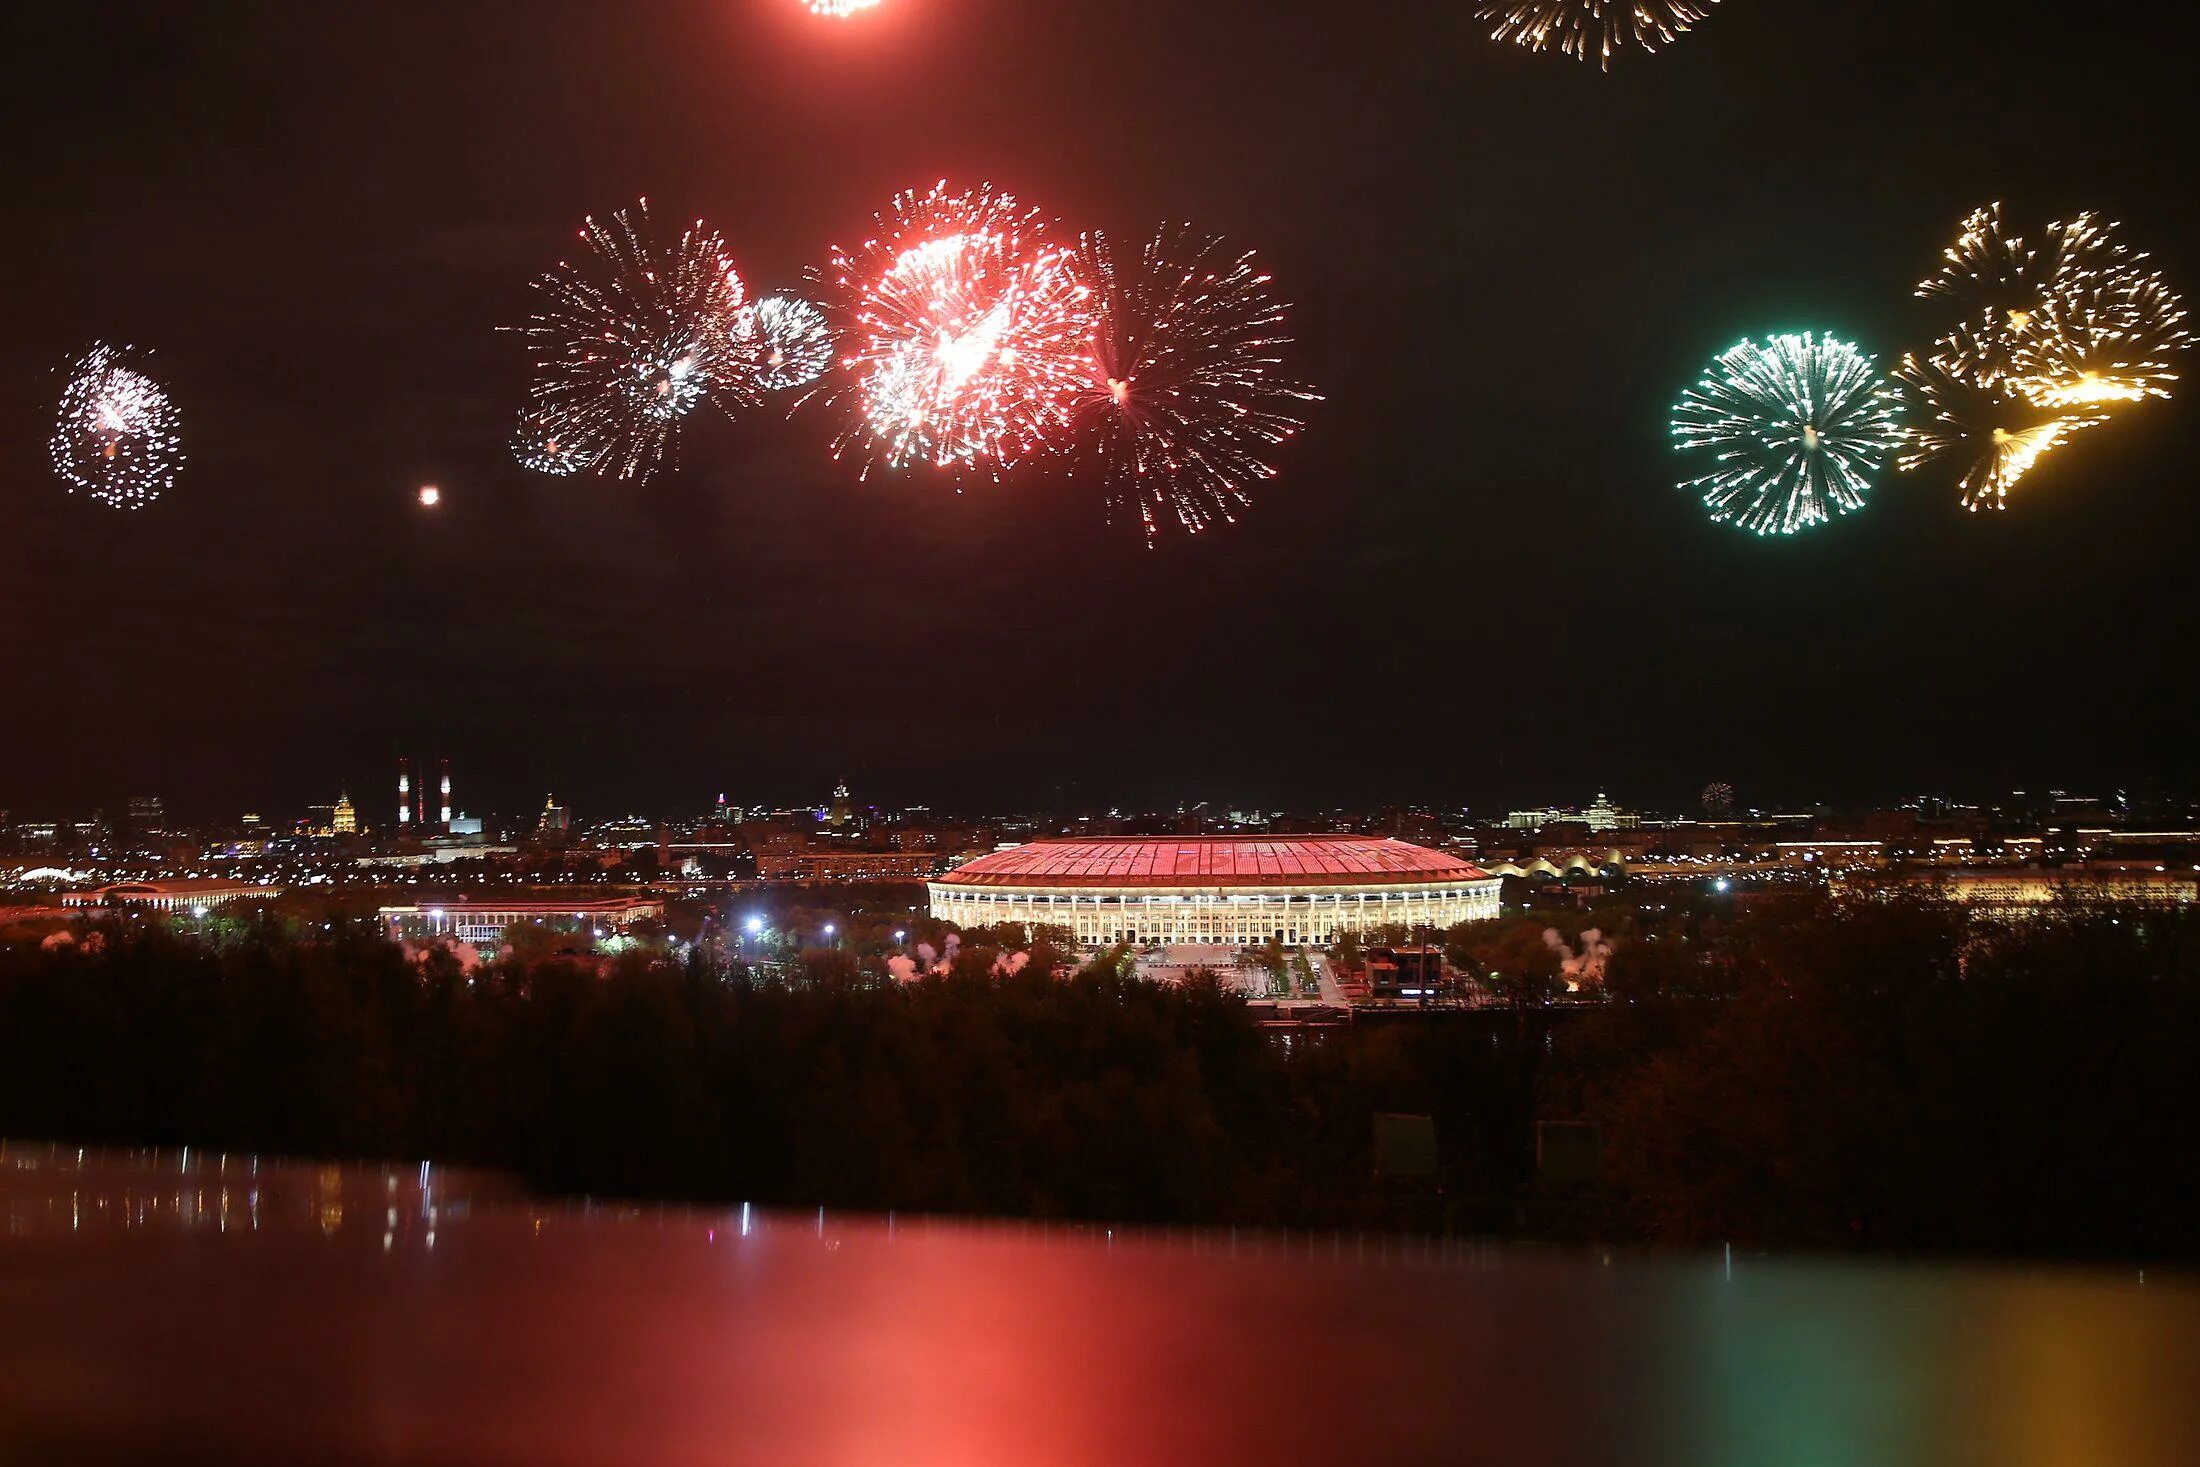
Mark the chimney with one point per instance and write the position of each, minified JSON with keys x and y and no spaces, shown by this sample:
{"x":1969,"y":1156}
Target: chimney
{"x":446,"y":820}
{"x":404,"y":793}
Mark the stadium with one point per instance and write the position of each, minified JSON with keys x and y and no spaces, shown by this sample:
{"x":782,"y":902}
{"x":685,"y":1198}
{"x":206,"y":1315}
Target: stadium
{"x":1216,"y":890}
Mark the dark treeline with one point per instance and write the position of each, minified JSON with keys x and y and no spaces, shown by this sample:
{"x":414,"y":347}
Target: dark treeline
{"x":1863,"y":1073}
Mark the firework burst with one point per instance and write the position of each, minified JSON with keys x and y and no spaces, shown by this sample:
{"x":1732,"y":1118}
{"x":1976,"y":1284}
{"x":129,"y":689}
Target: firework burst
{"x":538,"y":445}
{"x":1185,"y":393}
{"x":2075,"y":316}
{"x":635,"y":336}
{"x":1798,"y":428}
{"x":117,"y":436}
{"x":795,"y":342}
{"x":2113,"y":341}
{"x":2053,"y":333}
{"x":1992,"y":432}
{"x":967,"y":334}
{"x":1585,"y":28}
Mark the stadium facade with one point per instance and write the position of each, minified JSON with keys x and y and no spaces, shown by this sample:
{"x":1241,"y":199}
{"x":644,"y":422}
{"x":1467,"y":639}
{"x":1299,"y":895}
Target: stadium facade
{"x":1218,"y":890}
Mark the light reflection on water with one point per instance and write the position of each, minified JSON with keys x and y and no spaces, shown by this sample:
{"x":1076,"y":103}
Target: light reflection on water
{"x":168,"y":1305}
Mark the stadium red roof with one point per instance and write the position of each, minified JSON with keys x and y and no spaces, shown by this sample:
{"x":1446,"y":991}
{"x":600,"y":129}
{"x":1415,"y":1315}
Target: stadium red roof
{"x":1214,"y":860}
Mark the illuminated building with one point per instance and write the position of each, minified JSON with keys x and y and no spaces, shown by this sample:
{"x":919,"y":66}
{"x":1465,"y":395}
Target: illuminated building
{"x":805,"y":865}
{"x":1604,"y":815}
{"x":344,"y":820}
{"x":1224,"y":890}
{"x":483,"y":919}
{"x":554,"y":815}
{"x":2014,"y":890}
{"x":180,"y":895}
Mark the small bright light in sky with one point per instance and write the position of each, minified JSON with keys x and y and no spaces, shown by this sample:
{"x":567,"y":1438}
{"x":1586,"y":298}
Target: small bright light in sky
{"x":430,"y":496}
{"x":838,"y":9}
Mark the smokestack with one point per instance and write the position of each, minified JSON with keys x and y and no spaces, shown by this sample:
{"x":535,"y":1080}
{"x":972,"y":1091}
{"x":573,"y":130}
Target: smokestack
{"x":446,"y":821}
{"x":404,"y":793}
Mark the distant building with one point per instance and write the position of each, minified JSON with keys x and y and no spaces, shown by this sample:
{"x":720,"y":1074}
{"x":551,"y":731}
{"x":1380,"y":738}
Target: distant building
{"x":1602,"y":815}
{"x":483,"y":919}
{"x":180,"y":895}
{"x":344,"y":820}
{"x":2017,"y":890}
{"x":555,"y":818}
{"x":146,"y":813}
{"x":1217,"y":890}
{"x":1406,"y":974}
{"x":839,"y":865}
{"x":842,"y":813}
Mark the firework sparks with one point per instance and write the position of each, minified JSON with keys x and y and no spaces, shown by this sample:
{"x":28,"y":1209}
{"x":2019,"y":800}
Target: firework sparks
{"x":2054,"y":333}
{"x":633,"y":338}
{"x":2075,"y":317}
{"x":795,"y":342}
{"x":1798,"y":428}
{"x":1994,"y":432}
{"x":968,"y":333}
{"x":539,"y":443}
{"x":1185,"y":393}
{"x":117,"y":436}
{"x":1585,"y":28}
{"x":2114,"y":341}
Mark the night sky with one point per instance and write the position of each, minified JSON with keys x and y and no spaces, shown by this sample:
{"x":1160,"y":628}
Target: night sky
{"x":1474,"y":582}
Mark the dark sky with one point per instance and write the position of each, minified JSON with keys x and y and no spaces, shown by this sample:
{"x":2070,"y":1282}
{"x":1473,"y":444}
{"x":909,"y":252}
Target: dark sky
{"x":1473,"y":583}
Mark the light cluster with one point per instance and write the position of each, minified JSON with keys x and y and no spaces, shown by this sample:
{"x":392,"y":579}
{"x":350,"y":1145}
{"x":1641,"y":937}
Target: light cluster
{"x":839,"y":9}
{"x":117,"y":435}
{"x":1796,"y":430}
{"x":2051,"y":334}
{"x":1185,"y":391}
{"x":1585,"y":28}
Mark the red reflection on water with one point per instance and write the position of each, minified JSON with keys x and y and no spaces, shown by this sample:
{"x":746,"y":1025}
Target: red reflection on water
{"x":637,"y":1336}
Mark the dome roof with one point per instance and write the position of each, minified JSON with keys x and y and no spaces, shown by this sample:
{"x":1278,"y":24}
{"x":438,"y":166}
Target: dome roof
{"x":1214,"y":860}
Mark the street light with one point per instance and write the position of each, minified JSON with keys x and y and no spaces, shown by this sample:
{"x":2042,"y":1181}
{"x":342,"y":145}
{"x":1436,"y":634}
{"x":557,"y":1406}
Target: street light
{"x":831,"y":932}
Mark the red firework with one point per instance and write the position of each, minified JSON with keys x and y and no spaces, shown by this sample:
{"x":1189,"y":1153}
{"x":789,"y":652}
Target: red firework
{"x":967,"y":334}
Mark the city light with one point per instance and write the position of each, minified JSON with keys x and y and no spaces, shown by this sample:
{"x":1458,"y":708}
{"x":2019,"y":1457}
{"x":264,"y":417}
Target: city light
{"x":430,"y":496}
